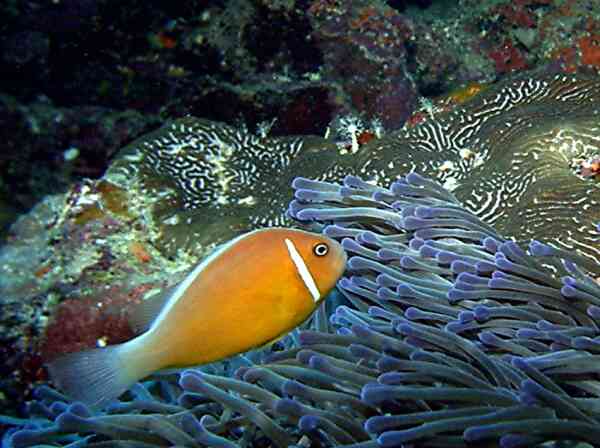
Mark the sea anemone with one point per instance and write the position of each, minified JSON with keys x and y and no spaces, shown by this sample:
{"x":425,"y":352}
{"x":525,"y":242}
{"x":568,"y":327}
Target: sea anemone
{"x":450,"y":335}
{"x":472,"y":337}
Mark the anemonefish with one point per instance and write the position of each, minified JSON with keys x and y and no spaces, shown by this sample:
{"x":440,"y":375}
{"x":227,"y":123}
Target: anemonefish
{"x":247,"y":293}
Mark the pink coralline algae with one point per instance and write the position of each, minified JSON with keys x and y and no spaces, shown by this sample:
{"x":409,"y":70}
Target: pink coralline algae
{"x":520,"y":13}
{"x":507,"y":58}
{"x":79,"y":324}
{"x":364,"y":46}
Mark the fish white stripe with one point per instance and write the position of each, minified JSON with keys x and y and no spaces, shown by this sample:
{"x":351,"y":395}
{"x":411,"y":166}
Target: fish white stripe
{"x":302,"y":269}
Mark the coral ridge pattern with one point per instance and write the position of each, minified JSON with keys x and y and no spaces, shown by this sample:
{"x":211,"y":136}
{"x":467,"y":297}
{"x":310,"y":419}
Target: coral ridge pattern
{"x":511,"y":155}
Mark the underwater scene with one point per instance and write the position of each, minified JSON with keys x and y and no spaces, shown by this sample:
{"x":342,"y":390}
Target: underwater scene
{"x":300,"y":223}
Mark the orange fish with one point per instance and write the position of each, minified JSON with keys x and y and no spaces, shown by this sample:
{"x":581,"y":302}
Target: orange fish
{"x":249,"y":292}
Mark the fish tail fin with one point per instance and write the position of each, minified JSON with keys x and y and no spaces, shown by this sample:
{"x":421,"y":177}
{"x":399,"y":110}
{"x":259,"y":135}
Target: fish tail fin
{"x":96,"y":376}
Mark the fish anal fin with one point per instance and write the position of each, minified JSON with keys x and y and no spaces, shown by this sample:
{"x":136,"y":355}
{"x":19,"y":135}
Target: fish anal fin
{"x":270,"y":342}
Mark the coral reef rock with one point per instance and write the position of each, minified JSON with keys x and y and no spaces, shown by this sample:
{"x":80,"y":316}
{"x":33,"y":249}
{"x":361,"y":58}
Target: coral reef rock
{"x":512,"y":154}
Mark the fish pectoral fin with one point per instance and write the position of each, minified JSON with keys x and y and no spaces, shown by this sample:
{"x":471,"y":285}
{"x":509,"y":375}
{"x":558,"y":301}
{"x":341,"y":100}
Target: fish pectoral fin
{"x":143,"y":315}
{"x":271,"y":342}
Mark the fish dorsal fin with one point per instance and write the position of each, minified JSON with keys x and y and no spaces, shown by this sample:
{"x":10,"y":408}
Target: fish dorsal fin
{"x":145,"y":313}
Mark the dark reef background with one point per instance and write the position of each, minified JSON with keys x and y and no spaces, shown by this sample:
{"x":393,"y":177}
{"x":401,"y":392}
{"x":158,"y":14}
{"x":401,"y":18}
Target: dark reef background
{"x":82,"y":78}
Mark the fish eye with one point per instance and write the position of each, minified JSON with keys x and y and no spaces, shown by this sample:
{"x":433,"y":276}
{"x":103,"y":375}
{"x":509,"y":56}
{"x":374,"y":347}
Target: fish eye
{"x":321,"y":249}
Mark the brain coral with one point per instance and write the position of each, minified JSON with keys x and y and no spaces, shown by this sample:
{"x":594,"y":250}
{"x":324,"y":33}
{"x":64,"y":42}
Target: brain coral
{"x":510,"y":155}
